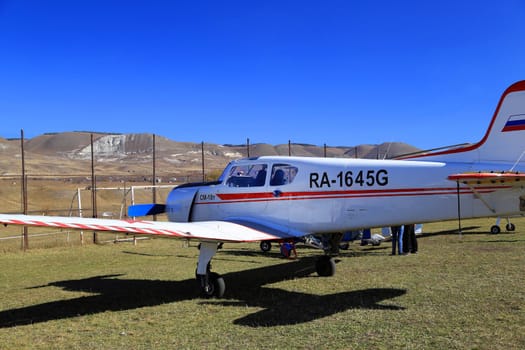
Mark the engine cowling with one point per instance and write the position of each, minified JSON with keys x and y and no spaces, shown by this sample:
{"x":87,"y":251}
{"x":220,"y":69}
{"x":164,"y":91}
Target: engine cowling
{"x":180,"y":203}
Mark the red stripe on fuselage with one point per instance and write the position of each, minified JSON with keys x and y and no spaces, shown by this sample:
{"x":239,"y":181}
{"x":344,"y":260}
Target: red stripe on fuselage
{"x":247,"y":197}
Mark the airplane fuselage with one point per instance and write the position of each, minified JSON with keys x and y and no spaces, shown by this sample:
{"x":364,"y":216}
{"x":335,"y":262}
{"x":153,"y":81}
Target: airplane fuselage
{"x":323,"y":195}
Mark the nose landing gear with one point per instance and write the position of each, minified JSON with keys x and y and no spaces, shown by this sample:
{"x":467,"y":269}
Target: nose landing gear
{"x":211,"y":284}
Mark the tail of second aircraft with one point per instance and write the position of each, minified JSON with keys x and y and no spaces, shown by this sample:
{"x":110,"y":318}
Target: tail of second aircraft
{"x":504,"y":141}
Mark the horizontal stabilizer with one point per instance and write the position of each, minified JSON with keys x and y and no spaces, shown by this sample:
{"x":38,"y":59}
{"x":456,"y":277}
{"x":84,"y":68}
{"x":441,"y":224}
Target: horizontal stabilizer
{"x":146,"y":209}
{"x":489,"y":178}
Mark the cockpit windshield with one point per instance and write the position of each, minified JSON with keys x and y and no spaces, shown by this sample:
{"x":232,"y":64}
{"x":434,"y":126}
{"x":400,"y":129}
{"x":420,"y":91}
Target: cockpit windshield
{"x":255,"y":174}
{"x":247,"y":175}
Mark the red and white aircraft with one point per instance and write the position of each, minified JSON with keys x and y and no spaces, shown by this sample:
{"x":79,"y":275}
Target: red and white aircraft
{"x":272,"y":198}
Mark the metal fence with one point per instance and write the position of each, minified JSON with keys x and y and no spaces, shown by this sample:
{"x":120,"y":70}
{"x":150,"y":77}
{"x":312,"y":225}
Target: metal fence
{"x":64,"y":197}
{"x":90,"y":194}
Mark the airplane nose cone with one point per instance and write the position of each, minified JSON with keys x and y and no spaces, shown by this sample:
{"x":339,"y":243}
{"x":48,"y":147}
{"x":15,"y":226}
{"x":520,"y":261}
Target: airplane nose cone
{"x":179,"y":203}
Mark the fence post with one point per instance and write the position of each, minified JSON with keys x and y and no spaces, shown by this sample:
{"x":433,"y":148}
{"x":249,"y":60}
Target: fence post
{"x":202,"y":153}
{"x":25,"y":236}
{"x":80,"y":215}
{"x":154,"y":180}
{"x":93,"y":188}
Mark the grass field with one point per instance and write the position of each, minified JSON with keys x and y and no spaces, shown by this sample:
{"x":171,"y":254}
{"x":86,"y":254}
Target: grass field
{"x":456,"y":293}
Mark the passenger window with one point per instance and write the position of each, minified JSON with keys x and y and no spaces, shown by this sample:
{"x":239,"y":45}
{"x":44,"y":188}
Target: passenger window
{"x":249,"y":175}
{"x":282,"y":174}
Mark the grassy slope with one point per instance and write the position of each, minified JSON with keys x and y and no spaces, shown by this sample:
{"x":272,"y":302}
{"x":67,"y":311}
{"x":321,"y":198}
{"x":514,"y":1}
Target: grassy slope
{"x":456,"y":293}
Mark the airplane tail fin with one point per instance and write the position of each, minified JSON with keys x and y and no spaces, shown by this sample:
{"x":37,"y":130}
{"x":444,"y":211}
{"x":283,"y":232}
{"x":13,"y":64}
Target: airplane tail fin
{"x":504,"y":141}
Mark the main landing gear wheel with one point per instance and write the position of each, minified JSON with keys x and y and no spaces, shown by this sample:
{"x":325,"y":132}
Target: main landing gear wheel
{"x":325,"y":266}
{"x":265,"y":246}
{"x":495,"y":229}
{"x":510,"y":227}
{"x":212,"y":285}
{"x":344,"y":246}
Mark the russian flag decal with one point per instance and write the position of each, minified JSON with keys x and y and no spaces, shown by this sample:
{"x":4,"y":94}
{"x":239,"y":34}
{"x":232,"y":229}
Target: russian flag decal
{"x":514,"y":123}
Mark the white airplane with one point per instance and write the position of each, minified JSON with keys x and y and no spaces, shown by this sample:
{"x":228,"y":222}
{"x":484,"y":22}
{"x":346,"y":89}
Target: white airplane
{"x":271,"y":198}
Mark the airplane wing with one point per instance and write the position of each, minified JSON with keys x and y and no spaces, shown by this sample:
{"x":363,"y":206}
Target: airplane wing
{"x":278,"y":231}
{"x":222,"y":231}
{"x":490,"y":178}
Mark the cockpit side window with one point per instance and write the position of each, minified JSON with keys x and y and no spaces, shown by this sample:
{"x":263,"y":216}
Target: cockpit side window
{"x":282,"y":174}
{"x":247,"y":175}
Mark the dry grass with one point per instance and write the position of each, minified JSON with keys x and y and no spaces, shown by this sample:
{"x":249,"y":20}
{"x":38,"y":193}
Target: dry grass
{"x":456,"y":293}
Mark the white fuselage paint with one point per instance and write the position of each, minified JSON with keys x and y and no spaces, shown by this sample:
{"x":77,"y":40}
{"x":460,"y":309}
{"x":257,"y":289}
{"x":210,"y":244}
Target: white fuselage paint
{"x":336,"y":195}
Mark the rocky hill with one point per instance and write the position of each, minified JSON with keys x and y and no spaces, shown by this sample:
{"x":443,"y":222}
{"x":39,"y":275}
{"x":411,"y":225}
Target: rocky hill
{"x":132,"y":154}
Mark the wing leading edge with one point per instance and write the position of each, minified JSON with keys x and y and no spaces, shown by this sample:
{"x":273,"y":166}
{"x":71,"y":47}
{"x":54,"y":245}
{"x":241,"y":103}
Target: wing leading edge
{"x":222,"y":231}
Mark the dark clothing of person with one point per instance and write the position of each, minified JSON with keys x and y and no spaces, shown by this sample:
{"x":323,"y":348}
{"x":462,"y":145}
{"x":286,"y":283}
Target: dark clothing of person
{"x":366,"y":236}
{"x":396,"y":235}
{"x":406,"y":240}
{"x":410,"y":244}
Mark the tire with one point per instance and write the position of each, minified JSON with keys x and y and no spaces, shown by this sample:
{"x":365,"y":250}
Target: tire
{"x":216,"y":287}
{"x":510,"y":227}
{"x":495,"y":229}
{"x":325,"y":266}
{"x":265,"y":246}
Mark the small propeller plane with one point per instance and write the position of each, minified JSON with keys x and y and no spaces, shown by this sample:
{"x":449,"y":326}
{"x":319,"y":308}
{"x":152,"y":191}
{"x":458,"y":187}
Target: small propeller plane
{"x":278,"y":198}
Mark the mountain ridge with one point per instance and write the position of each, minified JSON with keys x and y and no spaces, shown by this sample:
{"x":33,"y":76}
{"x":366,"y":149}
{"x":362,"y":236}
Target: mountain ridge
{"x":125,"y":153}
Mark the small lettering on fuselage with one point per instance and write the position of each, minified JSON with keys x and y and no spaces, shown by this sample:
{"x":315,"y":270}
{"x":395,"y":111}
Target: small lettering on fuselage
{"x":207,"y":197}
{"x":349,"y":179}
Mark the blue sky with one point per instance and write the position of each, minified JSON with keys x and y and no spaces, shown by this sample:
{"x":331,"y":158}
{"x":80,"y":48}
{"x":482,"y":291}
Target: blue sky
{"x":337,"y":72}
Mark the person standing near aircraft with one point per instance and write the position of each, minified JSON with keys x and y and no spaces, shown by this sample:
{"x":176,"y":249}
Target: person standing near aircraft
{"x":397,"y":239}
{"x":366,"y":236}
{"x":410,"y":238}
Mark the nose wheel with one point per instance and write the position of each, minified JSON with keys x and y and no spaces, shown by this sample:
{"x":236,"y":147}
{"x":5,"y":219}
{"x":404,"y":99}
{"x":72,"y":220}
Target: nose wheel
{"x":212,"y":285}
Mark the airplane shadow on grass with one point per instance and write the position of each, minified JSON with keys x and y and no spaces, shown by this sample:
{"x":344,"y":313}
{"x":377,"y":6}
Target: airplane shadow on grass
{"x":280,"y":307}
